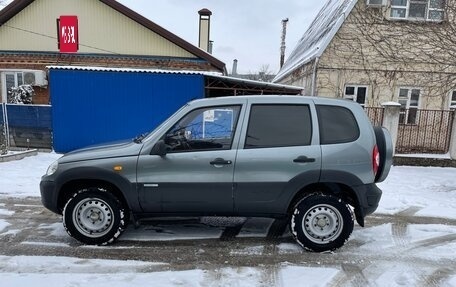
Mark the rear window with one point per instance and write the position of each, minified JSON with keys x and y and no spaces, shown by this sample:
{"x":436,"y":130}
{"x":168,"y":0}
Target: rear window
{"x":278,"y":126}
{"x":337,"y":125}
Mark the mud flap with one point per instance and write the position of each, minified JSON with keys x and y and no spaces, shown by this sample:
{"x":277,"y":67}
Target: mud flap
{"x":359,"y":214}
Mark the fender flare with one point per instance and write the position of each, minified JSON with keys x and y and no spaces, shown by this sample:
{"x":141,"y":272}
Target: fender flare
{"x":126,"y":188}
{"x":304,"y":180}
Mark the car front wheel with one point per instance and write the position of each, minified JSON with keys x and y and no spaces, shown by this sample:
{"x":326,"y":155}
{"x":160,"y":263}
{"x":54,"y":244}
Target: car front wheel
{"x":321,"y":222}
{"x":94,"y":216}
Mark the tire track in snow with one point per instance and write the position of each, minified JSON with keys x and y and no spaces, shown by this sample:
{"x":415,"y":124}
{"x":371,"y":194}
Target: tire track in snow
{"x":435,"y":241}
{"x":399,"y":231}
{"x":436,"y":278}
{"x":270,"y":276}
{"x":214,"y":276}
{"x":409,"y":212}
{"x":399,"y":228}
{"x":352,"y":276}
{"x":27,"y":218}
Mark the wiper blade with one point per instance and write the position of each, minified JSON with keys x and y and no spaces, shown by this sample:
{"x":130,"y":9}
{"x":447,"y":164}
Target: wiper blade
{"x":140,"y":138}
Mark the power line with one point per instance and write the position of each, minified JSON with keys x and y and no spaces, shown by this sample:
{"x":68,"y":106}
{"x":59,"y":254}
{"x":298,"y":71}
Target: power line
{"x":55,"y":38}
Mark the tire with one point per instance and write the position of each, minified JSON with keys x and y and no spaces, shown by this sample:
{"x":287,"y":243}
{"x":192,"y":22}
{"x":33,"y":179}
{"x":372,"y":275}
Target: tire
{"x":321,"y":222}
{"x":94,"y":216}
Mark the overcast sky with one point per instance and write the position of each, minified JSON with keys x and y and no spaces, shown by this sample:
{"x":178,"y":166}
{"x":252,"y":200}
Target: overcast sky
{"x":247,"y":30}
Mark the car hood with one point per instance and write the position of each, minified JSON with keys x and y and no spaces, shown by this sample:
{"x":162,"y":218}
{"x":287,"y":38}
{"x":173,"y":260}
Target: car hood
{"x":107,"y":150}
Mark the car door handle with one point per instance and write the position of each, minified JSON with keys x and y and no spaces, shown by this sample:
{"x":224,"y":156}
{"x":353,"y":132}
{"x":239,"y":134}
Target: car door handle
{"x":303,"y":158}
{"x":220,"y":161}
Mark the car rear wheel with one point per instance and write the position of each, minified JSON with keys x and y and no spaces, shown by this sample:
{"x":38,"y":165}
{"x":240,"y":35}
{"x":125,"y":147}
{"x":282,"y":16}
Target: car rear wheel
{"x":321,"y":222}
{"x":94,"y":216}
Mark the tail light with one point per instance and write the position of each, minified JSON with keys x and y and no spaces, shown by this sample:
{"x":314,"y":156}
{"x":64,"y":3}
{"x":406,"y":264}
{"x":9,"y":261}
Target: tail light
{"x":375,"y":160}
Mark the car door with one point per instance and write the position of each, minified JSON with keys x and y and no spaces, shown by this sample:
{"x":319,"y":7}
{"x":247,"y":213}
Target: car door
{"x":279,"y":149}
{"x":196,"y":174}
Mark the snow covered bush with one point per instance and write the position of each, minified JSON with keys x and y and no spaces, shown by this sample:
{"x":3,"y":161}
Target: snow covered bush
{"x":21,"y":95}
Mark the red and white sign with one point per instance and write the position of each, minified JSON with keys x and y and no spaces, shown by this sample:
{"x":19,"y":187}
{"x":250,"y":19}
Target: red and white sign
{"x":68,"y":34}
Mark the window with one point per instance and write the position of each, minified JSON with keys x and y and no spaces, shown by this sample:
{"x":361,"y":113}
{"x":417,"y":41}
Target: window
{"x":337,"y":125}
{"x":356,"y":94}
{"x":436,"y":9}
{"x":376,"y":2}
{"x":453,"y":98}
{"x":203,"y":129}
{"x":409,"y":100}
{"x":431,"y":10}
{"x":12,"y":79}
{"x":278,"y":126}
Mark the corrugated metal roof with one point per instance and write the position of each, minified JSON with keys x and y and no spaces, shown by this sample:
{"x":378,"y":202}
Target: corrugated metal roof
{"x":131,"y":70}
{"x":256,"y":83}
{"x":318,"y":36}
{"x":184,"y":72}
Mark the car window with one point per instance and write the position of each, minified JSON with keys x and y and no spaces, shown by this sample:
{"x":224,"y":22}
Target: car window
{"x":203,"y":129}
{"x":337,"y":125}
{"x":278,"y":126}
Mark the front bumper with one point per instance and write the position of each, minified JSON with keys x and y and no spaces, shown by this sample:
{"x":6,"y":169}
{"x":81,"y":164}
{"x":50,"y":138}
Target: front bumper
{"x":49,"y":195}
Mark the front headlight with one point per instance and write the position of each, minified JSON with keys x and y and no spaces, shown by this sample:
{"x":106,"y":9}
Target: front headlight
{"x":52,"y":168}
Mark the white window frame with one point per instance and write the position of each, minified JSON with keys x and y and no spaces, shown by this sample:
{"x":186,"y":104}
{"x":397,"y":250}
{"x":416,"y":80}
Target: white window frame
{"x":452,"y":99}
{"x":406,"y":8}
{"x":382,"y":3}
{"x":428,"y":11}
{"x":355,"y":96}
{"x":3,"y":75}
{"x":405,"y":110}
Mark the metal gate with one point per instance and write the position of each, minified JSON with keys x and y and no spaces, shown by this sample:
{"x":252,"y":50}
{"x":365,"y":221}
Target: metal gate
{"x":26,"y":126}
{"x":428,"y":132}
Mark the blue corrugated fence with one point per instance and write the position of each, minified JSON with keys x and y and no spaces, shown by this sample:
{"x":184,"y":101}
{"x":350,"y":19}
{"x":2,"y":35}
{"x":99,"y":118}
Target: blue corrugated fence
{"x":92,"y":107}
{"x":28,"y":126}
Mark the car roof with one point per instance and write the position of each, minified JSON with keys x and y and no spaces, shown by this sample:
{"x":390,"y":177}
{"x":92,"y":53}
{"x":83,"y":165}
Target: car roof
{"x":275,"y":99}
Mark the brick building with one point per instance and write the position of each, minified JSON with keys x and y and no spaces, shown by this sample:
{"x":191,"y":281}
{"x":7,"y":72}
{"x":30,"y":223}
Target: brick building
{"x":109,"y":35}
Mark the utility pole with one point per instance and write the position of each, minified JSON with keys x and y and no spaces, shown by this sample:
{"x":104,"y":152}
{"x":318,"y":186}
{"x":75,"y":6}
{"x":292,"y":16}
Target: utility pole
{"x":282,"y":46}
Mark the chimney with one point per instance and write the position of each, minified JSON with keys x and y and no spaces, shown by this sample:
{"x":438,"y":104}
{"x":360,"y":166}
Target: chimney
{"x":282,"y":43}
{"x":211,"y":45}
{"x":204,"y":29}
{"x":234,"y":70}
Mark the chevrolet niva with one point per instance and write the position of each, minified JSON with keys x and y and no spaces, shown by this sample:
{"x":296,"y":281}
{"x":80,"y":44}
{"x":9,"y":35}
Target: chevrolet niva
{"x":313,"y":160}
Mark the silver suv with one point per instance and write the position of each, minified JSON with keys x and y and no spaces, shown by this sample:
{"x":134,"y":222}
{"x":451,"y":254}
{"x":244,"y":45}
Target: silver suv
{"x":312,"y":160}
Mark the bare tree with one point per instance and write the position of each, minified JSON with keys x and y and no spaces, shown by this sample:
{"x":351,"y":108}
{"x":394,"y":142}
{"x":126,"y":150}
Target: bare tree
{"x":384,"y":50}
{"x":263,"y":74}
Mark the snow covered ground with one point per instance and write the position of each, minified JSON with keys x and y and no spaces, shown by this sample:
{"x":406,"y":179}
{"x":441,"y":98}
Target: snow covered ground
{"x":409,"y":241}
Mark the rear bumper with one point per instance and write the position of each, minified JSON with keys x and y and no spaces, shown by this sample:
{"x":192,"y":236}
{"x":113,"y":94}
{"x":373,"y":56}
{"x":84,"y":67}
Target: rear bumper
{"x":368,"y":198}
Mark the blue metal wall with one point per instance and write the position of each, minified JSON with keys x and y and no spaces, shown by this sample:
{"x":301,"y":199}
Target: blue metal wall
{"x":91,"y":107}
{"x":29,"y":126}
{"x":29,"y":116}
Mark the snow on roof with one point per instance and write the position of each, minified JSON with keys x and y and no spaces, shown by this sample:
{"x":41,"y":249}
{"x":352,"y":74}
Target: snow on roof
{"x":184,"y":72}
{"x":133,"y":70}
{"x":318,"y":36}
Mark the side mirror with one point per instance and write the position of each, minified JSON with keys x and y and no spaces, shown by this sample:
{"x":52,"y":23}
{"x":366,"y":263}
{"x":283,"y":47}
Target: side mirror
{"x":159,"y":148}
